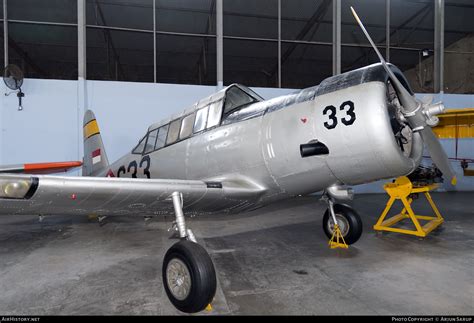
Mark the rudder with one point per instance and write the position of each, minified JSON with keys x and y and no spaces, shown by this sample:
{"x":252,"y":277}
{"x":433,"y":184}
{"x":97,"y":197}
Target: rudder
{"x":95,"y":158}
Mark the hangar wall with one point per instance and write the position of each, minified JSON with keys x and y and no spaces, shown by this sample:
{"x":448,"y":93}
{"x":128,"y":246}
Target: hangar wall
{"x":50,"y":126}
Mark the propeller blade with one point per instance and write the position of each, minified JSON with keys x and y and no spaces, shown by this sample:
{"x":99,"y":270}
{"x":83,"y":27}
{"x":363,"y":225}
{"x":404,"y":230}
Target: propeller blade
{"x":427,"y":99}
{"x":438,"y":155}
{"x":407,"y":100}
{"x":417,"y":121}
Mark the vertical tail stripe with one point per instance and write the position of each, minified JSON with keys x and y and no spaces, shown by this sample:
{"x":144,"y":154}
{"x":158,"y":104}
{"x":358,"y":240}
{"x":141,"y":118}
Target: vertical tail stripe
{"x":90,"y":129}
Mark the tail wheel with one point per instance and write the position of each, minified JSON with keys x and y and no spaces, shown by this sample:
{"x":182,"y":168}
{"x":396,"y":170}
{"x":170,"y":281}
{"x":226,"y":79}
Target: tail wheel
{"x":348,"y":220}
{"x":189,"y":277}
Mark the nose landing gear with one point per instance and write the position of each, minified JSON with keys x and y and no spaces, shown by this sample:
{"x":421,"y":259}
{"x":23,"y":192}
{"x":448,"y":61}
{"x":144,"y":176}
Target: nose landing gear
{"x":341,"y":223}
{"x":348,"y":221}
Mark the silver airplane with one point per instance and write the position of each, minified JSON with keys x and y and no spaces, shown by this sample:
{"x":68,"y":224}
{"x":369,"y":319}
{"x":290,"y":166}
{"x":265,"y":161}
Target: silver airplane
{"x":234,"y":151}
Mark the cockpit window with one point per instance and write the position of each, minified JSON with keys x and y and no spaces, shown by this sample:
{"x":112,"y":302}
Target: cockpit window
{"x":236,"y":99}
{"x":173,"y":131}
{"x":187,"y":126}
{"x":160,"y":141}
{"x":215,"y":112}
{"x":150,"y":143}
{"x":139,"y":148}
{"x":201,"y":119}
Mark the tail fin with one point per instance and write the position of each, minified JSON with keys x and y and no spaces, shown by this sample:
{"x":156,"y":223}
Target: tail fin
{"x":95,"y":158}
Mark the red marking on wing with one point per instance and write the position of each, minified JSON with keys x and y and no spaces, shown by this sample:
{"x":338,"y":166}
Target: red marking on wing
{"x":304,"y":120}
{"x":48,"y":168}
{"x":110,"y":173}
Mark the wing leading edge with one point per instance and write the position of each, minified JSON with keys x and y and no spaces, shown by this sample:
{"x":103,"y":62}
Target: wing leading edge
{"x":63,"y":195}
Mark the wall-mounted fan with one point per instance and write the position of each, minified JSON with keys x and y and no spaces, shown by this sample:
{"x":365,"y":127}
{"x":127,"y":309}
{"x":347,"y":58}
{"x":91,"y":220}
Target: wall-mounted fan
{"x":13,"y":78}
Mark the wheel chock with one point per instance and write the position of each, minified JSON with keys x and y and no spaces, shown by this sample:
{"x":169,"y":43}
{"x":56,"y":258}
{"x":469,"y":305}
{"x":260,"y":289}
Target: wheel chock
{"x":337,"y":240}
{"x":209,"y":307}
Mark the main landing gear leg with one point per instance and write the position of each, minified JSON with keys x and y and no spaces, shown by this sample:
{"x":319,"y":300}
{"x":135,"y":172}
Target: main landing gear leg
{"x":341,"y":223}
{"x":188,"y":274}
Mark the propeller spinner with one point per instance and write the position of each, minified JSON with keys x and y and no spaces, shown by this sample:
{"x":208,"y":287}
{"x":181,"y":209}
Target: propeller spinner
{"x":420,"y":116}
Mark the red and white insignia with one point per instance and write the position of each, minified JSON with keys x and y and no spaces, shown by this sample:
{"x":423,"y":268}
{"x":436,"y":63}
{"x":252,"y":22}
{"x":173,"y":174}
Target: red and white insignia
{"x":96,"y":156}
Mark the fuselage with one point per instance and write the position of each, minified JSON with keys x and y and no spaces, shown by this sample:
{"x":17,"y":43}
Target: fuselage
{"x":258,"y":146}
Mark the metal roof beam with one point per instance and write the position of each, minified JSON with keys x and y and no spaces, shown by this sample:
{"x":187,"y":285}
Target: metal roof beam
{"x":314,"y":21}
{"x":396,"y":29}
{"x":111,"y":42}
{"x":24,"y":55}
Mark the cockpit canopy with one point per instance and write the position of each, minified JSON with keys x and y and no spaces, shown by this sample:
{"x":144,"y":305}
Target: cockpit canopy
{"x":219,"y":108}
{"x":237,"y":97}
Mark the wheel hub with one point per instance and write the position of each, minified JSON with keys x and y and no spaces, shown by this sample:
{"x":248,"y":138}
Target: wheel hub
{"x":342,"y":222}
{"x":178,"y":279}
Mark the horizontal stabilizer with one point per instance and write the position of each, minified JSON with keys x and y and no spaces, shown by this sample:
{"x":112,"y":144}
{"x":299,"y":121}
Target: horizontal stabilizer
{"x":40,"y":168}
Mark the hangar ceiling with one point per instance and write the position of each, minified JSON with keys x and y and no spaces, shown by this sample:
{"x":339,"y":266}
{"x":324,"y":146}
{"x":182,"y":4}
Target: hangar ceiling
{"x":43,"y":38}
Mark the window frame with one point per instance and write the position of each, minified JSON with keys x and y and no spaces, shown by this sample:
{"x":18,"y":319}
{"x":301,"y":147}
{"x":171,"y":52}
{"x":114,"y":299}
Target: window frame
{"x":178,"y":121}
{"x":218,"y":124}
{"x":167,"y":126}
{"x":254,"y":100}
{"x":134,"y":152}
{"x":205,"y":123}
{"x":146,"y":143}
{"x":192,"y":126}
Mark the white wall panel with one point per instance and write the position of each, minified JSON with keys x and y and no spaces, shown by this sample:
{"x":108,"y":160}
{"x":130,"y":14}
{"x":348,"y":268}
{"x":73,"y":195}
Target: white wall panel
{"x":45,"y":129}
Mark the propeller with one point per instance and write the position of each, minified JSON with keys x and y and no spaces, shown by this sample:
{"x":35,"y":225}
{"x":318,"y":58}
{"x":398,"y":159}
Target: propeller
{"x":427,"y":99}
{"x":421,"y":116}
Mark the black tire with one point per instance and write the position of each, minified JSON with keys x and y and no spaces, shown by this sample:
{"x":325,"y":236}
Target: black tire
{"x":352,"y":219}
{"x":201,"y":272}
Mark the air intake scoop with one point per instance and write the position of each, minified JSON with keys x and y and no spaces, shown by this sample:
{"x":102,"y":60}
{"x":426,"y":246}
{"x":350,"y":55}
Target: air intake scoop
{"x":313,"y":148}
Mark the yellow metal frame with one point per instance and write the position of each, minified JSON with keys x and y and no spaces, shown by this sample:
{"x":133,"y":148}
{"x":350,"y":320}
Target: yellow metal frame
{"x":401,"y":189}
{"x":337,"y":240}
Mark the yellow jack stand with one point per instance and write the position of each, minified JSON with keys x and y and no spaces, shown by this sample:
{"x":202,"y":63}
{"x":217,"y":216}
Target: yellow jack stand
{"x":401,"y":189}
{"x":337,"y":235}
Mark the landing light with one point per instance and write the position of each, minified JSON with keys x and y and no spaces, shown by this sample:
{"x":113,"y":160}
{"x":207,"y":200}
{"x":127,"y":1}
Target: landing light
{"x":14,"y":188}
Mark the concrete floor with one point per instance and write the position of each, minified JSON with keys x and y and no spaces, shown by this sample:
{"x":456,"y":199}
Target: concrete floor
{"x":271,"y":261}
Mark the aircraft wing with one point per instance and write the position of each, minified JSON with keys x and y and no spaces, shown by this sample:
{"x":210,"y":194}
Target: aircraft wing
{"x":40,"y":168}
{"x":70,"y":195}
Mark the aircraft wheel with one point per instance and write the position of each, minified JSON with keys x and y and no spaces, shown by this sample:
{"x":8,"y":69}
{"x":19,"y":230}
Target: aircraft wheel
{"x":189,"y":276}
{"x":349,"y":222}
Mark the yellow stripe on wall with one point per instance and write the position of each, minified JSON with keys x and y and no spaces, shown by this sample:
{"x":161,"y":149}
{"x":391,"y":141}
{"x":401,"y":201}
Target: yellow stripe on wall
{"x":457,"y":123}
{"x":450,"y":132}
{"x":90,"y":129}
